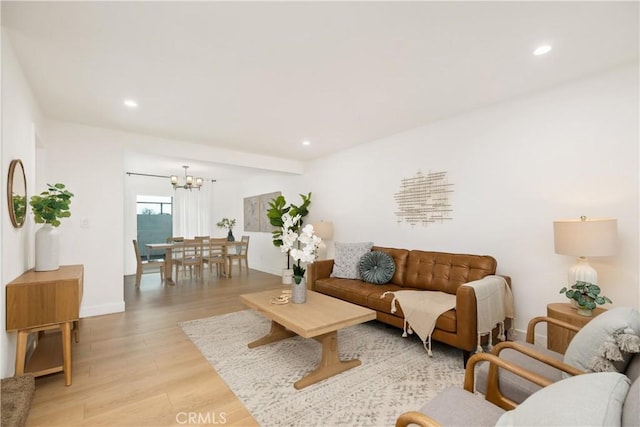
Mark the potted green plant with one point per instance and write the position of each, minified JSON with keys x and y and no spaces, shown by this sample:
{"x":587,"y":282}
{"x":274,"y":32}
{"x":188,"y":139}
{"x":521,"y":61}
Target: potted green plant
{"x":48,"y":208}
{"x":586,"y":295}
{"x":228,"y":224}
{"x":276,"y":214}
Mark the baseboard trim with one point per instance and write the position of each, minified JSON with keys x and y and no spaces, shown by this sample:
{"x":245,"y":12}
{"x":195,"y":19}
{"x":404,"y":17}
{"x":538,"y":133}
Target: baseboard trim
{"x":99,"y":310}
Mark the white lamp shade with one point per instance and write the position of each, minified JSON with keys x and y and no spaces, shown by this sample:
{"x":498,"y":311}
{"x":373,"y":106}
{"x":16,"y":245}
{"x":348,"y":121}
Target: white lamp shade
{"x":323,"y":229}
{"x":588,"y":238}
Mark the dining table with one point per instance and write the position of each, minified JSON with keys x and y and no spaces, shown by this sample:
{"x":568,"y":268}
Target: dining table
{"x":168,"y":256}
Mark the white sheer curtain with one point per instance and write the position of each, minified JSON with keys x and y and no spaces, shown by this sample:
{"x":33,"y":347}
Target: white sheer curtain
{"x":192,"y":211}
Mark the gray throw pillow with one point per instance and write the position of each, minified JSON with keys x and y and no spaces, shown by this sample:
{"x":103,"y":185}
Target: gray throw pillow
{"x":377,"y":267}
{"x":586,"y":345}
{"x":347,"y":257}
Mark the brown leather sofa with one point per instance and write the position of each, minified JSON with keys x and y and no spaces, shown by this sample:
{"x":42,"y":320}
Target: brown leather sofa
{"x":415,"y":269}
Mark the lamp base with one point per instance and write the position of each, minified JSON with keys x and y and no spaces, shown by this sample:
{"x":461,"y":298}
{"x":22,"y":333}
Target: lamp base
{"x":582,"y":272}
{"x":322,"y":251}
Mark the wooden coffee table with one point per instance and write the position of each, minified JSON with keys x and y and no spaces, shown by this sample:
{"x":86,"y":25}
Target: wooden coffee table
{"x":319,"y":318}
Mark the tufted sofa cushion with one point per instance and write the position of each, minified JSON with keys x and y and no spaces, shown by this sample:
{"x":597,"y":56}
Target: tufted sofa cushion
{"x":445,"y":272}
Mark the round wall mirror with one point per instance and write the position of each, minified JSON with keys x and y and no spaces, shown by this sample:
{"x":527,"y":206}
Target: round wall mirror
{"x":17,"y":193}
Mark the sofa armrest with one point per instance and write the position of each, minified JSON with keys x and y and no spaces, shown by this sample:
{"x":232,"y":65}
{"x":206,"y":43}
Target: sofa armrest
{"x":318,"y":270}
{"x":466,"y":318}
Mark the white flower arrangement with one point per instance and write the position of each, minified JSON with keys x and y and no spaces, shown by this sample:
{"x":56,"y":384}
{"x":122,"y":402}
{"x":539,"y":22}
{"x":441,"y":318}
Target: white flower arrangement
{"x":302,"y":247}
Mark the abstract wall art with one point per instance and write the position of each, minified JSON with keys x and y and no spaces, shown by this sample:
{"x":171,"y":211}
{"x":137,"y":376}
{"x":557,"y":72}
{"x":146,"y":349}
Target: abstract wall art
{"x":423,"y":199}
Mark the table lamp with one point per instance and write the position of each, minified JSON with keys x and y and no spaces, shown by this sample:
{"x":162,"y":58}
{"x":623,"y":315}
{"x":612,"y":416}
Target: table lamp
{"x":324,"y":230}
{"x":584,"y":238}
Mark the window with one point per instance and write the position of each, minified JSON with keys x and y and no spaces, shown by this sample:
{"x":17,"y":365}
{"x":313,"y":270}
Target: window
{"x":155,"y":222}
{"x":154,"y":205}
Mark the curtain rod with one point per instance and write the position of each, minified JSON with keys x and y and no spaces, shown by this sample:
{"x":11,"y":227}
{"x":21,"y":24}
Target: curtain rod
{"x":157,"y":176}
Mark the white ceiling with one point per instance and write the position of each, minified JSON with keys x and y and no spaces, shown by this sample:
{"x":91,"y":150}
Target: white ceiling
{"x":263,"y":76}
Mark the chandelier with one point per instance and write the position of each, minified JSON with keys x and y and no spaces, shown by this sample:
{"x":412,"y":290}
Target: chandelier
{"x":189,"y":182}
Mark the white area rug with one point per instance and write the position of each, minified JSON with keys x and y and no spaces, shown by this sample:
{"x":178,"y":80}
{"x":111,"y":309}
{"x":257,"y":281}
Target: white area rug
{"x":396,"y":374}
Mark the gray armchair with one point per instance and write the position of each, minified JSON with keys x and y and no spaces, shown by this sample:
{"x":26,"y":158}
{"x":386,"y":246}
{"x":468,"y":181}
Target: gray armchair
{"x":460,"y":406}
{"x":610,"y":342}
{"x":603,"y":399}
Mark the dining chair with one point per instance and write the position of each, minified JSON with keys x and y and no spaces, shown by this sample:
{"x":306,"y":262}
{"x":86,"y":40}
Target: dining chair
{"x":141,"y":264}
{"x":205,"y":246}
{"x":189,"y":255}
{"x":176,"y":250}
{"x":216,"y":253}
{"x":239,"y":256}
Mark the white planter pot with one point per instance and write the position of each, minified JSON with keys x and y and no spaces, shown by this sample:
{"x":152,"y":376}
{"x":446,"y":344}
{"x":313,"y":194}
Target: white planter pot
{"x":587,"y":312}
{"x":287,"y":276}
{"x":47,"y":248}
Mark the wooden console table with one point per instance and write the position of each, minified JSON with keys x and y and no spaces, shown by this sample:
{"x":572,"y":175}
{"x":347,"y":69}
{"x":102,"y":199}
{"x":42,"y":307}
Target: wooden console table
{"x":558,"y":338}
{"x":40,"y":301}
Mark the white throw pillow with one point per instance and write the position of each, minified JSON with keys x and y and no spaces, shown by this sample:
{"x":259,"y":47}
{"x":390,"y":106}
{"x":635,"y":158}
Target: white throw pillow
{"x":347,"y":257}
{"x":584,"y":400}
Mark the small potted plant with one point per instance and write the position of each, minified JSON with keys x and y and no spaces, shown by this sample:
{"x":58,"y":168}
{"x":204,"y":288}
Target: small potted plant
{"x":228,"y":224}
{"x":48,"y":208}
{"x":586,"y":295}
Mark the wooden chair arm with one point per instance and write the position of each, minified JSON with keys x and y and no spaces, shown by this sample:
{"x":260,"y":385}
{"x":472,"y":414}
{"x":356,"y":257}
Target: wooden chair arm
{"x":544,"y":358}
{"x":533,"y":322}
{"x":418,"y":418}
{"x":469,"y":373}
{"x":493,"y":393}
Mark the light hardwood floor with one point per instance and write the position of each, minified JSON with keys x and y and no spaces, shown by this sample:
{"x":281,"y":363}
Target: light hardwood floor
{"x":138,"y":368}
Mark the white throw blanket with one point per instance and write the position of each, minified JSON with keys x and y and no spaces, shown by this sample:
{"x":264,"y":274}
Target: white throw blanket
{"x":494,"y":305}
{"x":421,"y":310}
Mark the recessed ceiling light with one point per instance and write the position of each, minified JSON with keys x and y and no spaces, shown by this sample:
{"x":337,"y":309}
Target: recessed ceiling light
{"x":130,"y":103}
{"x":541,"y":50}
{"x":306,"y":142}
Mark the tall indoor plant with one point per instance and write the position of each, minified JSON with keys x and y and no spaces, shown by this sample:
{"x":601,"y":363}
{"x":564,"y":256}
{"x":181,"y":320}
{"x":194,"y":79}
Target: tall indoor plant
{"x":276,"y":214}
{"x":48,"y":208}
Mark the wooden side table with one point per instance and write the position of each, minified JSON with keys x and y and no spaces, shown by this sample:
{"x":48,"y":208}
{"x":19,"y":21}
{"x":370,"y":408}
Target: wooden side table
{"x":558,"y":338}
{"x":39,"y":302}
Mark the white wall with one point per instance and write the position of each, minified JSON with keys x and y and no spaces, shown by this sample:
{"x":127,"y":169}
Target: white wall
{"x":20,"y":121}
{"x":90,"y":164}
{"x":516,"y":167}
